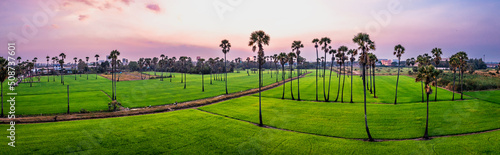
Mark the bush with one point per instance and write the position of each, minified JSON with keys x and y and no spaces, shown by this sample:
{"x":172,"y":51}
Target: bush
{"x":114,"y":105}
{"x":84,"y":111}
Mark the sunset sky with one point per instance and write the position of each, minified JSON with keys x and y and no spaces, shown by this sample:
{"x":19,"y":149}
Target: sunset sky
{"x":148,"y":28}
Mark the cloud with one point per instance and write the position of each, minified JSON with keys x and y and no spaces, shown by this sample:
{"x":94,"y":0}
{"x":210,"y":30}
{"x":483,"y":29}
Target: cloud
{"x":82,"y":17}
{"x":88,"y":2}
{"x":127,"y":1}
{"x":153,"y":7}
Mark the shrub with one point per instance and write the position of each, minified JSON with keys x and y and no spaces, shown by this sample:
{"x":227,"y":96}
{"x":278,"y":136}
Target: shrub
{"x":84,"y":111}
{"x":113,"y":104}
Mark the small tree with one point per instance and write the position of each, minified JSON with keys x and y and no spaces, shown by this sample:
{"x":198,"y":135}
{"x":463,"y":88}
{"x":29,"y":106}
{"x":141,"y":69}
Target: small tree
{"x":427,"y":74}
{"x":113,"y":104}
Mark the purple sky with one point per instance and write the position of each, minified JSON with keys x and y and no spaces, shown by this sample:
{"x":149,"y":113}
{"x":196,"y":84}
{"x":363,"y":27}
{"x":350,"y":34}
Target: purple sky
{"x":193,"y":28}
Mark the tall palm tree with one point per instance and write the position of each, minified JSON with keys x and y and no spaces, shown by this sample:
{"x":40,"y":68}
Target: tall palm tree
{"x":454,"y":65}
{"x":353,"y":53}
{"x":34,"y":65}
{"x":423,"y":60}
{"x":202,"y":62}
{"x":87,"y":62}
{"x":47,"y":66}
{"x":96,"y":62}
{"x":114,"y":57}
{"x":427,"y":74}
{"x":365,"y":45}
{"x":463,"y":58}
{"x":141,"y":65}
{"x":343,"y":59}
{"x":398,"y":51}
{"x":147,"y":61}
{"x":54,"y":60}
{"x":257,"y":40}
{"x":276,"y":59}
{"x":291,"y":56}
{"x":162,"y":56}
{"x":324,"y":42}
{"x":283,"y":59}
{"x":340,"y":55}
{"x":436,"y":52}
{"x":183,"y":67}
{"x":332,"y":52}
{"x":76,"y":65}
{"x":315,"y":42}
{"x":61,"y":62}
{"x":296,"y":45}
{"x":3,"y":75}
{"x":226,"y":46}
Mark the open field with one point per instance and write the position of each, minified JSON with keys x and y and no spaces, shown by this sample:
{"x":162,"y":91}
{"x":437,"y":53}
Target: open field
{"x":50,"y":97}
{"x":346,"y":119}
{"x":409,"y":91}
{"x":491,"y":96}
{"x":195,"y":132}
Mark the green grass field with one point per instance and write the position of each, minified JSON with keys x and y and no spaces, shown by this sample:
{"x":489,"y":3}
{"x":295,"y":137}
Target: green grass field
{"x":491,"y":96}
{"x":50,"y":97}
{"x":195,"y":132}
{"x":347,"y":119}
{"x":409,"y":91}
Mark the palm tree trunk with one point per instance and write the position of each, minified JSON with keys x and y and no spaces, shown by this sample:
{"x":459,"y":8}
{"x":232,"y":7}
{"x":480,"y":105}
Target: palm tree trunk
{"x":298,"y":81}
{"x":291,"y":81}
{"x":202,"y":83}
{"x":277,"y":71}
{"x":351,"y":79}
{"x":68,"y":96}
{"x":338,"y":89}
{"x":453,"y":97}
{"x":462,"y":86}
{"x":435,"y":96}
{"x":210,"y":77}
{"x":283,"y":79}
{"x":371,"y":81}
{"x":397,"y":82}
{"x":260,"y":96}
{"x":343,"y":83}
{"x":374,"y":88}
{"x":317,"y":66}
{"x":422,"y":87}
{"x":185,"y":80}
{"x":426,"y":135}
{"x":225,"y":71}
{"x":1,"y":85}
{"x":366,"y":120}
{"x":324,"y":82}
{"x":329,"y":81}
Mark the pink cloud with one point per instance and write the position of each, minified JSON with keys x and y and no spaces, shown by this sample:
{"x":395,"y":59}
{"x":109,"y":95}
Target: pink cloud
{"x":153,"y":7}
{"x":127,"y":1}
{"x":88,"y":2}
{"x":82,"y":17}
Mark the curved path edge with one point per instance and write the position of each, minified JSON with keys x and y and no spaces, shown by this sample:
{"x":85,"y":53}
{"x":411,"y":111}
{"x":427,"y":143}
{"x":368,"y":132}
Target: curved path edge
{"x":141,"y":111}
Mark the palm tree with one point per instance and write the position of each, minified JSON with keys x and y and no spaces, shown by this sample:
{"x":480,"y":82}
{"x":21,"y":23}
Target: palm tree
{"x":183,"y":67}
{"x":96,"y":62}
{"x":226,"y":46}
{"x":114,"y":57}
{"x":340,"y":55}
{"x":398,"y":51}
{"x":147,"y":62}
{"x":87,"y":61}
{"x":202,"y":62}
{"x":3,"y":75}
{"x":365,"y":45}
{"x":257,"y":40}
{"x":463,"y":58}
{"x":454,"y":65}
{"x":344,"y":58}
{"x":283,"y":59}
{"x":296,"y":45}
{"x":315,"y":41}
{"x":61,"y":62}
{"x":276,"y":59}
{"x":54,"y":60}
{"x":76,"y":65}
{"x":324,"y":46}
{"x":291,"y":56}
{"x":162,"y":56}
{"x":427,"y":74}
{"x":34,"y":64}
{"x":436,"y":52}
{"x":423,"y":60}
{"x":353,"y":53}
{"x":141,"y":66}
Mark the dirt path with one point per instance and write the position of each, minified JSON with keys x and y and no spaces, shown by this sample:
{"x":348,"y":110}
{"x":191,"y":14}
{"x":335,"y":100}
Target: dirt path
{"x":376,"y":140}
{"x":141,"y":111}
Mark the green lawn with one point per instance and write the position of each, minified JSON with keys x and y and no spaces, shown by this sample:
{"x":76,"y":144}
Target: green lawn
{"x":409,"y":91}
{"x":491,"y":96}
{"x":50,"y":97}
{"x":195,"y":132}
{"x":386,"y":121}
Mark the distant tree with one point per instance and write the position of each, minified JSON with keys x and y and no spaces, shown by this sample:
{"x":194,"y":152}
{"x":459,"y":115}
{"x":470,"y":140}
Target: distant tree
{"x":96,"y":64}
{"x":353,"y":53}
{"x":315,"y":41}
{"x":463,"y":58}
{"x":61,"y":62}
{"x":291,"y":56}
{"x":296,"y":46}
{"x":3,"y":75}
{"x":436,"y":52}
{"x":87,"y":61}
{"x":226,"y":46}
{"x":47,"y":66}
{"x":324,"y":42}
{"x":283,"y":59}
{"x":454,"y":65}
